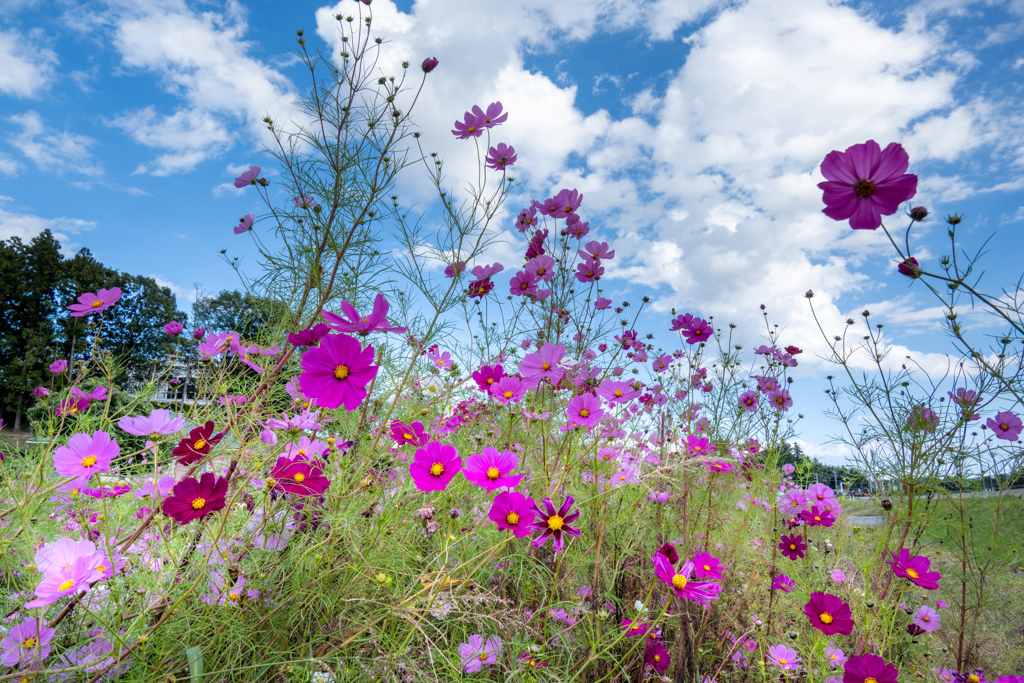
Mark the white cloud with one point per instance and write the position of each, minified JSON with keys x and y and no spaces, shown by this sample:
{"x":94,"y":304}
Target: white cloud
{"x":25,"y":226}
{"x":52,"y":150}
{"x":28,"y":65}
{"x":8,"y":166}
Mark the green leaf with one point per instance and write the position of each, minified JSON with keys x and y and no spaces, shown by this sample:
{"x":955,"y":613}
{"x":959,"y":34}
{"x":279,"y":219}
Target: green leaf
{"x":195,"y":663}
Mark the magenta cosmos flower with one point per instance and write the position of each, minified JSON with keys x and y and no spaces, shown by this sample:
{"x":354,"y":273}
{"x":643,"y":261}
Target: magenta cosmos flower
{"x":543,"y":365}
{"x":817,"y":517}
{"x":158,"y":423}
{"x":865,"y":183}
{"x":748,"y":400}
{"x":492,"y":117}
{"x":487,"y":376}
{"x":336,"y":372}
{"x":249,"y":177}
{"x":84,"y":456}
{"x":869,"y":669}
{"x":476,"y":653}
{"x":554,"y":523}
{"x":784,"y":583}
{"x":58,"y":366}
{"x":706,"y":566}
{"x":793,"y":546}
{"x":409,"y":435}
{"x":196,"y":445}
{"x":429,"y":64}
{"x":514,"y":511}
{"x":66,"y":581}
{"x":27,"y":643}
{"x":829,"y":614}
{"x":682,"y":586}
{"x":1006,"y":426}
{"x":376,"y":321}
{"x":471,"y":126}
{"x":193,"y":499}
{"x":95,"y":303}
{"x":501,"y":157}
{"x":492,"y":469}
{"x":915,"y":569}
{"x":434,"y":465}
{"x":584,"y":411}
{"x":300,"y":475}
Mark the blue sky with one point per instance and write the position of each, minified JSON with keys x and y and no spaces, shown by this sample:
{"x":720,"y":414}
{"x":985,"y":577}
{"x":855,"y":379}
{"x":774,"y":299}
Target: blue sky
{"x":694,"y":128}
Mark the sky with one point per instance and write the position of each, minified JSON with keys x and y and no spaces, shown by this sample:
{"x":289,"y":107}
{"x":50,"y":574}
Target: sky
{"x":693,"y":128}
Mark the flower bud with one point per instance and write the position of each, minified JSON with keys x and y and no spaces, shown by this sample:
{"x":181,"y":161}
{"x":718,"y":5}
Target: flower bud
{"x":886,"y":504}
{"x":918,"y":213}
{"x":199,"y":334}
{"x":41,"y":393}
{"x":428,"y":64}
{"x":910,"y":268}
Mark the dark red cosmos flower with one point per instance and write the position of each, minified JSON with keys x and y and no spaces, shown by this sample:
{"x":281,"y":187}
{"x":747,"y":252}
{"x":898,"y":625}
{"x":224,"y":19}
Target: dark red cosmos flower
{"x":197,"y":444}
{"x":670,"y":553}
{"x":793,"y":546}
{"x":829,"y":614}
{"x":300,"y":475}
{"x":191,"y":499}
{"x":869,"y":669}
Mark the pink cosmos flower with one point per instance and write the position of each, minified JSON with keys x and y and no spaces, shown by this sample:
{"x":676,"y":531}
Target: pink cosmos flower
{"x":441,"y":359}
{"x":542,"y":267}
{"x":1005,"y":425}
{"x":492,"y":469}
{"x":524,"y":282}
{"x":244,"y":223}
{"x":910,"y":268}
{"x":493,"y":116}
{"x":310,"y":336}
{"x":662,"y":363}
{"x":301,"y":476}
{"x":508,"y":390}
{"x":584,"y":411}
{"x":967,"y":400}
{"x":616,"y":392}
{"x":85,"y":456}
{"x":514,"y":511}
{"x":158,"y":423}
{"x":748,"y":401}
{"x":476,"y":653}
{"x":526,"y":219}
{"x":65,"y":581}
{"x":249,"y":177}
{"x":865,"y":182}
{"x":784,"y":657}
{"x":501,"y":157}
{"x":829,"y":614}
{"x":409,"y":435}
{"x":58,"y":366}
{"x":634,"y":627}
{"x":793,"y":546}
{"x":706,"y":566}
{"x":817,"y":517}
{"x":61,"y":553}
{"x":838,"y":575}
{"x":472,"y":126}
{"x":376,"y":321}
{"x":835,"y":656}
{"x":562,"y":205}
{"x":434,"y":466}
{"x":304,"y":202}
{"x":197,"y":444}
{"x":697,"y":331}
{"x":95,"y":303}
{"x":27,"y":643}
{"x":864,"y":668}
{"x":429,"y":64}
{"x":682,"y":586}
{"x":780,"y":399}
{"x":554,"y":523}
{"x":487,"y":376}
{"x":454,"y":269}
{"x":603,"y":304}
{"x":657,"y":655}
{"x":543,"y":365}
{"x":597,"y":251}
{"x":589,"y":271}
{"x":336,"y":372}
{"x":782,"y":582}
{"x":926,"y":618}
{"x":193,"y":499}
{"x":915,"y":569}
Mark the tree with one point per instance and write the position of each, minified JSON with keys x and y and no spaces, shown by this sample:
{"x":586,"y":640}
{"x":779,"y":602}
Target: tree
{"x":251,"y":316}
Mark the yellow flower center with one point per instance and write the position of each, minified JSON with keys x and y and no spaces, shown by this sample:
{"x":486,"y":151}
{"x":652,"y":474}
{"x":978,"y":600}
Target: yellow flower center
{"x":233,"y":597}
{"x":299,"y":477}
{"x":817,"y":519}
{"x":89,"y":461}
{"x":437,"y":469}
{"x":101,"y":569}
{"x":792,"y":546}
{"x":617,"y":392}
{"x":483,"y":656}
{"x":66,"y":585}
{"x":555,"y":522}
{"x":408,"y":437}
{"x":471,"y":129}
{"x":926,"y":618}
{"x":784,"y":661}
{"x":707,"y":567}
{"x":29,"y":643}
{"x":679,"y":581}
{"x":490,"y":380}
{"x":541,"y":271}
{"x":493,"y":473}
{"x":198,"y":503}
{"x":199,"y":445}
{"x":825,"y":617}
{"x":546,"y":365}
{"x":340,"y":372}
{"x":657,"y":658}
{"x":974,"y":679}
{"x":508,"y":394}
{"x":869,"y":679}
{"x":911,"y":573}
{"x":512,"y":518}
{"x":74,"y":409}
{"x":97,"y":303}
{"x":584,"y":413}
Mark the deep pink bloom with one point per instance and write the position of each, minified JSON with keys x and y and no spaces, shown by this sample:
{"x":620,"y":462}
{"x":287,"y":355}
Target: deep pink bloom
{"x":376,"y":321}
{"x":698,"y":445}
{"x":782,"y":582}
{"x":584,"y":411}
{"x":492,"y":469}
{"x":662,"y":363}
{"x":300,"y":475}
{"x":336,"y":372}
{"x":244,"y":224}
{"x":865,"y":182}
{"x":487,"y":376}
{"x":197,"y":444}
{"x":193,"y":499}
{"x":780,"y":399}
{"x":27,"y":643}
{"x":454,"y":269}
{"x":1005,"y":425}
{"x":84,"y":456}
{"x":682,"y":586}
{"x":95,"y":303}
{"x":501,"y":157}
{"x":58,"y":366}
{"x":434,"y":465}
{"x":829,"y":614}
{"x":429,"y":64}
{"x":597,"y":251}
{"x":65,"y":581}
{"x":554,"y":523}
{"x":817,"y":517}
{"x":310,"y":336}
{"x":472,"y":126}
{"x":173,"y":328}
{"x":484,"y":272}
{"x":748,"y":400}
{"x":524,"y":282}
{"x":670,"y":552}
{"x":634,"y":628}
{"x":527,"y":219}
{"x":793,"y":546}
{"x":42,"y":393}
{"x":512,"y":510}
{"x":697,"y":331}
{"x":508,"y":390}
{"x":543,"y":365}
{"x":562,"y":205}
{"x":863,"y":668}
{"x":158,"y":423}
{"x":249,"y":177}
{"x":542,"y":267}
{"x":492,"y":117}
{"x":409,"y":435}
{"x":909,"y":267}
{"x":657,"y":655}
{"x":915,"y":569}
{"x":589,"y":271}
{"x":706,"y":566}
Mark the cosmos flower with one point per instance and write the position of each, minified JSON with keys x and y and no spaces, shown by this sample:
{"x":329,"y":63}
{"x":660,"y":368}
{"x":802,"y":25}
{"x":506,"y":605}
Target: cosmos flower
{"x":492,"y":469}
{"x":584,"y":411}
{"x":58,"y":367}
{"x":782,"y":582}
{"x":194,"y":499}
{"x":62,"y":581}
{"x":869,"y":669}
{"x":157,"y":424}
{"x":409,"y":435}
{"x":471,"y":126}
{"x":429,"y":64}
{"x":244,"y":223}
{"x":1005,"y":425}
{"x":508,"y":390}
{"x":616,"y":392}
{"x":829,"y":614}
{"x":657,"y":655}
{"x":376,"y":321}
{"x":866,"y":182}
{"x":300,"y":475}
{"x":501,"y":157}
{"x":915,"y":569}
{"x":707,"y":567}
{"x":552,"y":523}
{"x":27,"y":643}
{"x":514,"y":511}
{"x":336,"y":372}
{"x":309,"y":337}
{"x":95,"y":303}
{"x":817,"y":517}
{"x":784,"y":657}
{"x":434,"y":466}
{"x":679,"y":581}
{"x":196,"y":445}
{"x":748,"y":400}
{"x":793,"y":546}
{"x":476,"y":652}
{"x":85,"y":456}
{"x":544,"y":364}
{"x":487,"y":376}
{"x":926,"y":618}
{"x":249,"y":177}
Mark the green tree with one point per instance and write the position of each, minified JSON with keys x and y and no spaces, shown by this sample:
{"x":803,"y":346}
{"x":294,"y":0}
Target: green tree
{"x":252,"y":317}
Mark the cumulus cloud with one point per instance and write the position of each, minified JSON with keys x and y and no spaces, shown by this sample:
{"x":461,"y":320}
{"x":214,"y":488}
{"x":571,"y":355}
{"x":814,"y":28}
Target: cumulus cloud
{"x":28,"y":64}
{"x":53,"y":150}
{"x":25,"y":226}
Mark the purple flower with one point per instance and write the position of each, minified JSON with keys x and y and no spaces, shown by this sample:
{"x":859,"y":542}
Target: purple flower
{"x":784,"y":657}
{"x":562,"y":205}
{"x":173,"y":328}
{"x":697,"y":331}
{"x":915,"y":569}
{"x":376,"y":321}
{"x":27,"y":643}
{"x":584,"y":411}
{"x":58,"y":366}
{"x":524,"y":282}
{"x":829,"y":614}
{"x":65,"y":581}
{"x":472,"y":126}
{"x":95,"y":303}
{"x":1005,"y":425}
{"x":301,"y":476}
{"x":597,"y":251}
{"x":492,"y":117}
{"x":487,"y":376}
{"x":336,"y":373}
{"x":158,"y":423}
{"x":682,"y":586}
{"x":543,"y":365}
{"x":492,"y":469}
{"x":863,"y":668}
{"x":429,"y":64}
{"x":476,"y":653}
{"x":589,"y":271}
{"x":501,"y":157}
{"x":42,"y":393}
{"x":783,"y":583}
{"x":793,"y":546}
{"x":514,"y":511}
{"x":909,"y":267}
{"x":311,"y":336}
{"x":244,"y":223}
{"x":926,"y":618}
{"x":434,"y":466}
{"x":554,"y":523}
{"x":707,"y":567}
{"x":84,"y":456}
{"x":249,"y":177}
{"x":748,"y":400}
{"x":835,"y":656}
{"x":865,"y":182}
{"x":542,"y":267}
